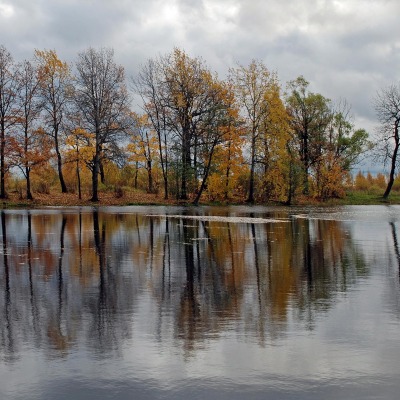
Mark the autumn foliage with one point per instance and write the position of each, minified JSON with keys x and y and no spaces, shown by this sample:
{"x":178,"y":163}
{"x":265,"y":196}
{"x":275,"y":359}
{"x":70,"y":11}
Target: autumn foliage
{"x":71,"y":128}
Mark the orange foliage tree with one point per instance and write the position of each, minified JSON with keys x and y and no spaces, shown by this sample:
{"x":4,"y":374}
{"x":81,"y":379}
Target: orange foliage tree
{"x":29,"y":146}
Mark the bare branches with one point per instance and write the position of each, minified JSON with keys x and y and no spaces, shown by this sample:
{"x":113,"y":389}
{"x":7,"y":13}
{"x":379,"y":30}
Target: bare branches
{"x":102,"y":100}
{"x":387,"y":108}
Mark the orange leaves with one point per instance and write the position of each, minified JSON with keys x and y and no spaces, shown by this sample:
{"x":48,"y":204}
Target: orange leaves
{"x":30,"y":151}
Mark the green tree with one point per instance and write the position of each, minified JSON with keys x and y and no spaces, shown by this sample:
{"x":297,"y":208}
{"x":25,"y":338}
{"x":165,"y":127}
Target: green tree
{"x":310,"y":116}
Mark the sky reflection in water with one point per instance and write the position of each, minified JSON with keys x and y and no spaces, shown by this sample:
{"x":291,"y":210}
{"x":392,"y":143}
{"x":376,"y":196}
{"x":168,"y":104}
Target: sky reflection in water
{"x":127,"y":302}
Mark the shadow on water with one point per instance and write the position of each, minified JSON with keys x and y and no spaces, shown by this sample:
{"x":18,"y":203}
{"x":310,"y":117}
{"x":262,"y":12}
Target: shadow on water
{"x":74,"y":279}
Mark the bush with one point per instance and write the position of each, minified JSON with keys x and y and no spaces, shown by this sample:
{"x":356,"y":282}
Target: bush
{"x":118,"y":192}
{"x":41,"y":187}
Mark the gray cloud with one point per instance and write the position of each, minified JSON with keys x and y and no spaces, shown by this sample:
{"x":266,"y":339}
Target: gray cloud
{"x":345,"y":48}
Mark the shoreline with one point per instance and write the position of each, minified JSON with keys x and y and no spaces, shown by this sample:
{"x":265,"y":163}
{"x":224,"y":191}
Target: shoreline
{"x":145,"y":199}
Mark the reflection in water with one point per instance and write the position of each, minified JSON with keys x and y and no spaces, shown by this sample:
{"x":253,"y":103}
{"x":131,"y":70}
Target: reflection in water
{"x":396,"y":244}
{"x":85,"y":271}
{"x":82,"y":280}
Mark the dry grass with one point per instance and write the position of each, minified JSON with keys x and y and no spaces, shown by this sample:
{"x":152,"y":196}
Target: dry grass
{"x":69,"y":199}
{"x":137,"y":197}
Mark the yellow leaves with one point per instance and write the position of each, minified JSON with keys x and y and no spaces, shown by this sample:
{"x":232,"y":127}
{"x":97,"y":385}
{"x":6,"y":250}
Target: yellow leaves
{"x":50,"y":65}
{"x":79,"y":152}
{"x":330,"y":177}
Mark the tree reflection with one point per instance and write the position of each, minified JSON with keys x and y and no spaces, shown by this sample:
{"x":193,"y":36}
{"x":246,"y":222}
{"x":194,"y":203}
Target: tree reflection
{"x":7,"y":328}
{"x":83,"y":277}
{"x":396,"y":244}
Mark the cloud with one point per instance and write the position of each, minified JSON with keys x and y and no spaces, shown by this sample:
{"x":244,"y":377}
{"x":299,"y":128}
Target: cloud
{"x":345,"y":48}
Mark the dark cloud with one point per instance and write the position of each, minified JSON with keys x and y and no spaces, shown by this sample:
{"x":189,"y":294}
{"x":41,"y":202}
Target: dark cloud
{"x":345,"y":48}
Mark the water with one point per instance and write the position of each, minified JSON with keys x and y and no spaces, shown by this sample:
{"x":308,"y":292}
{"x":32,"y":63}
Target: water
{"x":216,"y":303}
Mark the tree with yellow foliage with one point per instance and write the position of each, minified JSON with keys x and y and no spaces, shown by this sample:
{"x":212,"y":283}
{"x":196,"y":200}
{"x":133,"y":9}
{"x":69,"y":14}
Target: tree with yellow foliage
{"x":143,"y":146}
{"x":228,"y":159}
{"x":251,"y":85}
{"x":79,"y":150}
{"x":271,"y":148}
{"x":55,"y":89}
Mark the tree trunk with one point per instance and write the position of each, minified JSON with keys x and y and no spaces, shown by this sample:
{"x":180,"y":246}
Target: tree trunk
{"x":3,"y":194}
{"x":306,"y":189}
{"x":59,"y":167}
{"x":60,"y":174}
{"x":185,"y":166}
{"x":28,"y":184}
{"x":95,"y":177}
{"x":206,"y":172}
{"x":250,"y":198}
{"x":393,"y":164}
{"x":150,"y":177}
{"x":228,"y":172}
{"x":136,"y":175}
{"x":78,"y":175}
{"x":102,"y":174}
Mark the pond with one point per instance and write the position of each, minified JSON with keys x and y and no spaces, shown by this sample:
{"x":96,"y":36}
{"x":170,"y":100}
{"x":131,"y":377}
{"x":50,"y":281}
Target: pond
{"x":204,"y":302}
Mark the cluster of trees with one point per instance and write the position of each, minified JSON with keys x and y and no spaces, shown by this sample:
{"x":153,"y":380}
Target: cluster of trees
{"x":240,"y":137}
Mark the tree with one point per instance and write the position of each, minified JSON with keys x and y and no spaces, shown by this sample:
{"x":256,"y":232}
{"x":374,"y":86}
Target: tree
{"x":229,"y":163}
{"x":251,"y":84}
{"x":272,"y":150}
{"x":221,"y":116}
{"x":184,"y":103}
{"x":387,"y":108}
{"x":79,"y":151}
{"x":190,"y":99}
{"x":143,"y":145}
{"x":102,"y":100}
{"x":343,"y":147}
{"x":149,"y":85}
{"x":8,"y":108}
{"x":310,"y":116}
{"x":55,"y":91}
{"x":29,"y":147}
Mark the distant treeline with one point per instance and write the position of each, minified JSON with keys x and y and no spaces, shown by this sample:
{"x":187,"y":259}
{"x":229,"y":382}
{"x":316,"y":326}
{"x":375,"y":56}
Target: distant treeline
{"x":72,"y":125}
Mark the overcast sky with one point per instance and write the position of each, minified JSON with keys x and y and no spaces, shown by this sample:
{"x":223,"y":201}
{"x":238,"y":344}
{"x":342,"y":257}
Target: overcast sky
{"x":346,"y":49}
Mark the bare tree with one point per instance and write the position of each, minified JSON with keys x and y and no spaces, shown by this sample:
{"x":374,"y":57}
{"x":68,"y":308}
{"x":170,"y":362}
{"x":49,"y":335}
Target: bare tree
{"x":8,"y":107}
{"x":387,"y":107}
{"x":102,"y":100}
{"x":148,"y":84}
{"x":28,"y":147}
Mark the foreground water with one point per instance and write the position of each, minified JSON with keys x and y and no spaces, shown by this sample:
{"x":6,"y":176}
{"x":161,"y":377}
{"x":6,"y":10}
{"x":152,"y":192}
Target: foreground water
{"x":216,"y":303}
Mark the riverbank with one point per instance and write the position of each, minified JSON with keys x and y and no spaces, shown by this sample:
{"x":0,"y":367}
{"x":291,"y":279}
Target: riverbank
{"x":57,"y":199}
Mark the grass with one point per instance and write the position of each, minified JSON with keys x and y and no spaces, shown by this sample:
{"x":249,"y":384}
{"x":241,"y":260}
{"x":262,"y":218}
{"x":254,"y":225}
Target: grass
{"x":368,"y":198}
{"x":136,"y":197}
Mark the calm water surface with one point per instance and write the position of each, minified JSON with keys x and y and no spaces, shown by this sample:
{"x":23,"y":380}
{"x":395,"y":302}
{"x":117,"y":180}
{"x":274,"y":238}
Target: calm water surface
{"x":200,"y":303}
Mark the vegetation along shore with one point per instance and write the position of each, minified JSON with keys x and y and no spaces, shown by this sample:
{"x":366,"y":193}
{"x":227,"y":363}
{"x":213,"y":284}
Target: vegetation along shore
{"x":70,"y":135}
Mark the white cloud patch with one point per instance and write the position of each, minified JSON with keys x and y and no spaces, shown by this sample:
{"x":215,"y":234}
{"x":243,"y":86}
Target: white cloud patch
{"x":6,"y":10}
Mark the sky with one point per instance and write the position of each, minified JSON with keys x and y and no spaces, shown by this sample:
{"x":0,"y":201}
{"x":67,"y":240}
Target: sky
{"x":347,"y":49}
